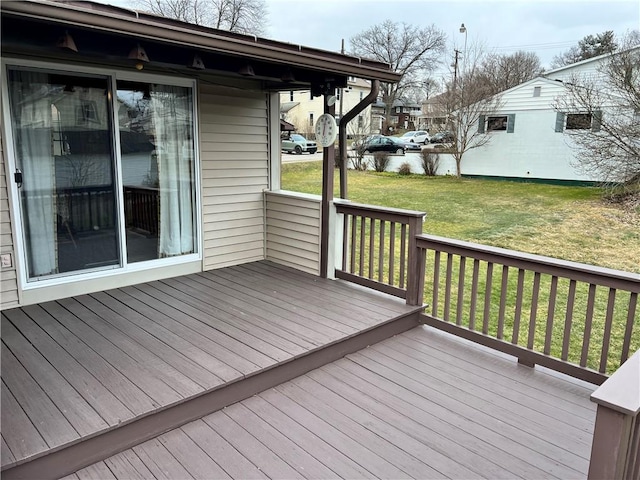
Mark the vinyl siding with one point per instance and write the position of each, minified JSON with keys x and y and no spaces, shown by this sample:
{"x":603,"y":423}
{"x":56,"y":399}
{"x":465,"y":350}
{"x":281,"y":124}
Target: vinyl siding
{"x":8,"y":277}
{"x":293,"y":230}
{"x":234,"y":159}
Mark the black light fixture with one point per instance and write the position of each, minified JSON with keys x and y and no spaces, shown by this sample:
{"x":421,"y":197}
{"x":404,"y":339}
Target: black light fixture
{"x":288,"y":76}
{"x":246,"y":71}
{"x":197,"y":63}
{"x":138,"y":54}
{"x":66,"y":42}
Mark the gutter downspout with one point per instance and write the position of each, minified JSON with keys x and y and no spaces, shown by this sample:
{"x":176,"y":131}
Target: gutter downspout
{"x":342,"y":133}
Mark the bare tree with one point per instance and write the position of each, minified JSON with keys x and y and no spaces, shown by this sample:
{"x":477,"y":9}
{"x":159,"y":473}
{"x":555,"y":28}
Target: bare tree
{"x":589,"y":47}
{"x":503,"y":72}
{"x":241,"y":16}
{"x":607,"y":145}
{"x":467,"y":101}
{"x":411,"y":51}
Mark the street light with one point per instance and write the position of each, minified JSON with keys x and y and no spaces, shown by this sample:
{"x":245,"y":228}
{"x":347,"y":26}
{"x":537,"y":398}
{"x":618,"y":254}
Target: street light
{"x":463,"y":29}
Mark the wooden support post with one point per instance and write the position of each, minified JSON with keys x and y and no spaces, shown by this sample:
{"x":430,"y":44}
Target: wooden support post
{"x":328,"y":167}
{"x":416,"y":260}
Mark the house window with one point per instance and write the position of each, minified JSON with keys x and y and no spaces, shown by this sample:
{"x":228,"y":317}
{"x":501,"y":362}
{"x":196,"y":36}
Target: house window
{"x":498,"y":123}
{"x":311,"y":119}
{"x":536,"y":91}
{"x":361,"y":96}
{"x":398,"y":109}
{"x":85,"y":206}
{"x":360,"y":121}
{"x":291,"y":96}
{"x":578,"y":121}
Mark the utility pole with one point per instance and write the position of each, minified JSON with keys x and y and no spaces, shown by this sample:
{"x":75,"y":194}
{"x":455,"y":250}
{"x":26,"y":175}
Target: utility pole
{"x":341,"y":90}
{"x":455,"y":69}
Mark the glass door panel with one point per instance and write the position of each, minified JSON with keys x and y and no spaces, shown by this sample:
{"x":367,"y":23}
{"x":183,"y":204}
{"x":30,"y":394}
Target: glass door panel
{"x":157,"y":152}
{"x":63,"y":147}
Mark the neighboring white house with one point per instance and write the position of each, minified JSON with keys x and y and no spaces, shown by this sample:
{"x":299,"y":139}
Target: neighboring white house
{"x":528,"y":140}
{"x":300,"y":109}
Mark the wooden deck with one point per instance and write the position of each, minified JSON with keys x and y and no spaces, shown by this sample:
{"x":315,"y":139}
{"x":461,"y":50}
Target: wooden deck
{"x":89,"y":376}
{"x":420,"y":405}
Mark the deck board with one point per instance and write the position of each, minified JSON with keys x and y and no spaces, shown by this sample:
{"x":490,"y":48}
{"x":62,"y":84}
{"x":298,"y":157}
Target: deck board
{"x":147,"y":348}
{"x":66,"y":380}
{"x":368,"y":416}
{"x":132,"y":366}
{"x":129,"y":393}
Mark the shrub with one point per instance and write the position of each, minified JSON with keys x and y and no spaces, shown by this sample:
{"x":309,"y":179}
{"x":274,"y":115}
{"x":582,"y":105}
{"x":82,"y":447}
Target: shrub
{"x":430,"y":162}
{"x":381,"y":161}
{"x":405,"y":169}
{"x":358,"y":162}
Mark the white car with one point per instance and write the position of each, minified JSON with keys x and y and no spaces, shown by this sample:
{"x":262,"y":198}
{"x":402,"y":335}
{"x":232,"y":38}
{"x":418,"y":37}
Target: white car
{"x":416,"y":136}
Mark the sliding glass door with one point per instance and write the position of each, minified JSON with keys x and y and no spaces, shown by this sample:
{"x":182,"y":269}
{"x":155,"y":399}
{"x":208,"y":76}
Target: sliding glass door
{"x":93,"y":196}
{"x":156,"y":144}
{"x":64,"y":154}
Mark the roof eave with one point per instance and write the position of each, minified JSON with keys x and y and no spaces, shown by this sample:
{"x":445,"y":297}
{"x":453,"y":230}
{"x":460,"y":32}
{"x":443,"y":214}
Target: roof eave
{"x":179,"y":33}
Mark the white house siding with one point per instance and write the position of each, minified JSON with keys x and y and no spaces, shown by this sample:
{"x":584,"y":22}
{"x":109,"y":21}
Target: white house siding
{"x":293,"y":230}
{"x":534,"y":150}
{"x":8,"y":278}
{"x":234,"y":160}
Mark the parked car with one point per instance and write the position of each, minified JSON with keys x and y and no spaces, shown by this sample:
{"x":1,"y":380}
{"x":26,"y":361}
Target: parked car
{"x":362,"y":141}
{"x":416,"y":136}
{"x":443,"y":137}
{"x":297,"y":144}
{"x":385,"y":144}
{"x":412,"y":147}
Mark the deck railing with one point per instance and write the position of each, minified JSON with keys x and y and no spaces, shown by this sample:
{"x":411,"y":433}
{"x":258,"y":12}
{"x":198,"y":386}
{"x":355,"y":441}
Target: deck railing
{"x":577,"y":319}
{"x":141,"y":208}
{"x":615,"y":452}
{"x":379,"y":249}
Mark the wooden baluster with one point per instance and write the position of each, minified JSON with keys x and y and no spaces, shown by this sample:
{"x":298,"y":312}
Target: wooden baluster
{"x":392,"y":252}
{"x":487,"y":299}
{"x":606,"y":338}
{"x":381,"y":244}
{"x":633,"y":303}
{"x":591,"y":300}
{"x":345,"y":241}
{"x":460,"y":304}
{"x":515,"y":337}
{"x":553,"y":292}
{"x":568,"y":319}
{"x":403,"y":255}
{"x":436,"y":283}
{"x":354,"y":242}
{"x":447,"y":287}
{"x":534,"y":310}
{"x":503,"y":301}
{"x":474,"y":294}
{"x":363,"y":227}
{"x":372,"y":241}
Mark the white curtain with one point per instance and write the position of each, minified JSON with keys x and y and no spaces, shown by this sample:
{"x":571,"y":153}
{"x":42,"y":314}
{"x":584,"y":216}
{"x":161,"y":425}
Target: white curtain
{"x":173,"y":120}
{"x":32,"y":124}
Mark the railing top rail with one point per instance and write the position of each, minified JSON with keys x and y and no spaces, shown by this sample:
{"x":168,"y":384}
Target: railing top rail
{"x":561,"y":268}
{"x":621,"y":391}
{"x":343,"y":206}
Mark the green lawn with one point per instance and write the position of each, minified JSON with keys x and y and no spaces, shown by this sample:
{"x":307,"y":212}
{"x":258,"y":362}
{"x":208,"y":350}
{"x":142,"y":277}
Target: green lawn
{"x":572,"y":223}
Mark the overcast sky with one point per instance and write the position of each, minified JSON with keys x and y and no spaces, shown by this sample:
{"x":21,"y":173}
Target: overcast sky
{"x":547,"y":27}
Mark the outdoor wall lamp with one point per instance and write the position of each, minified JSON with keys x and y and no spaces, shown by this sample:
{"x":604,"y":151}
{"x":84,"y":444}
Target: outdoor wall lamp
{"x":138,"y":54}
{"x":246,"y":71}
{"x":197,"y":63}
{"x":66,"y":42}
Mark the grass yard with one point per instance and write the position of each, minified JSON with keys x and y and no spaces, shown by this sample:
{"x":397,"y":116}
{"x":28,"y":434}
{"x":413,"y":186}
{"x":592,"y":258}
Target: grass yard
{"x":570,"y":223}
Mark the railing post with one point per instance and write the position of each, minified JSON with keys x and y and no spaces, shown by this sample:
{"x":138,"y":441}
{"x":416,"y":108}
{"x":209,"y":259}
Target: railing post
{"x":416,"y":260}
{"x":616,"y":437}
